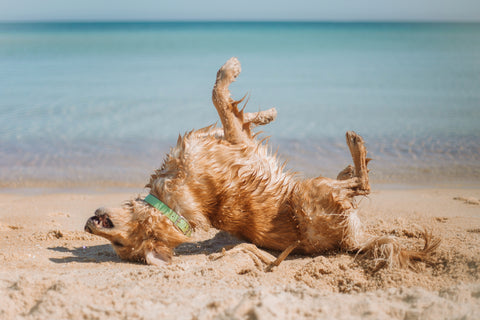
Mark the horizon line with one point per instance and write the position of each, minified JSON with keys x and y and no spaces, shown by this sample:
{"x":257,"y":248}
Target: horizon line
{"x":346,"y":21}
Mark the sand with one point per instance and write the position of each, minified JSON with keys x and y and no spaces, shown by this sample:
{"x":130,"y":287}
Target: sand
{"x":51,"y":269}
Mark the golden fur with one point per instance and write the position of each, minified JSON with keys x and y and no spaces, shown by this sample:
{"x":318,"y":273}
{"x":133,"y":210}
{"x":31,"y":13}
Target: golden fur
{"x":227,"y":179}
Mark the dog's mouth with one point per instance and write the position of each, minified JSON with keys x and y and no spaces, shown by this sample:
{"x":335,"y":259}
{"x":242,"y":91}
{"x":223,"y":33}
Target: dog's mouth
{"x":98,"y":222}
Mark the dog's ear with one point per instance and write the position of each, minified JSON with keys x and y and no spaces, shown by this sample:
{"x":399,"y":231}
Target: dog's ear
{"x":158,"y":256}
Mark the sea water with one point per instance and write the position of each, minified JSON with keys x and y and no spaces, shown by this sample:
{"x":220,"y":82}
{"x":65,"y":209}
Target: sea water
{"x":101,"y":103}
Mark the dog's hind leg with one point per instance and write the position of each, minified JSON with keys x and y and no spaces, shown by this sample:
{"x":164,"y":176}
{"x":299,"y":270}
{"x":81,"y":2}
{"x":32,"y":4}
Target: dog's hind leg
{"x":235,"y":130}
{"x":282,"y":256}
{"x":353,"y":180}
{"x":385,"y":250}
{"x":257,"y":255}
{"x":359,"y":155}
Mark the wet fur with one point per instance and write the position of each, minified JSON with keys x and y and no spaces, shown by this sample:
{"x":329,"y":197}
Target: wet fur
{"x":227,"y":179}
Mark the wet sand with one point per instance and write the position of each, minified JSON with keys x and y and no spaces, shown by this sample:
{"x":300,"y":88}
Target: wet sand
{"x":51,"y":269}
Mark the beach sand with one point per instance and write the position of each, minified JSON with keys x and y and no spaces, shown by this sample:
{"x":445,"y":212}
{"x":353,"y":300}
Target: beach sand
{"x":52,"y":269}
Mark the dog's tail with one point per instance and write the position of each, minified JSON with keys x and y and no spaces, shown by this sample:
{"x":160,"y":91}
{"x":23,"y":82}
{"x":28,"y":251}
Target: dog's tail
{"x":386,"y":251}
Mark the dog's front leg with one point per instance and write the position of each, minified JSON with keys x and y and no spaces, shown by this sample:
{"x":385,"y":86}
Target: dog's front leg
{"x":232,"y":119}
{"x":260,"y":118}
{"x":253,"y":119}
{"x":237,"y":125}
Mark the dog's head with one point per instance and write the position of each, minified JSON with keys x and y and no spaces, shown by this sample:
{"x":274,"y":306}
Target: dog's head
{"x":137,"y":231}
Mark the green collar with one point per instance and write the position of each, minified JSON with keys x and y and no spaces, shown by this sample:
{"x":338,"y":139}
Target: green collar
{"x":179,"y":221}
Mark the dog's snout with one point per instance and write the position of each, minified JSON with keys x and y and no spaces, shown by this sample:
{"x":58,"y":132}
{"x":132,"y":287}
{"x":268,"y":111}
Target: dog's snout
{"x":100,"y":219}
{"x":101,"y":212}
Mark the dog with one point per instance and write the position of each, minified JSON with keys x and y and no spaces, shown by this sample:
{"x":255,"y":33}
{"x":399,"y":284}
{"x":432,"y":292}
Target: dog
{"x":228,"y":179}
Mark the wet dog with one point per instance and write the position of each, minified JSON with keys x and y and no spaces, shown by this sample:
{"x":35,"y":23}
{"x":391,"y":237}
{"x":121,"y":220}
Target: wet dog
{"x":228,"y":179}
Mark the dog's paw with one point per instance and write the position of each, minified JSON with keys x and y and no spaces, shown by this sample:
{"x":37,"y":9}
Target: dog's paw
{"x":347,"y":173}
{"x":230,"y":70}
{"x":354,"y":139}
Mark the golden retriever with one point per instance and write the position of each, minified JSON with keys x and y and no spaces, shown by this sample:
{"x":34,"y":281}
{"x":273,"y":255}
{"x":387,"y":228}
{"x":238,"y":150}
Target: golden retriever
{"x":228,"y":179}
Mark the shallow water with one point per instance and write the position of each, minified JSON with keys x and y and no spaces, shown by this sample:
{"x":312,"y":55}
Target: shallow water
{"x":101,"y":103}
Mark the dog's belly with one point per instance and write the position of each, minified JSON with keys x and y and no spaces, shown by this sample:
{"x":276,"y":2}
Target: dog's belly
{"x":267,"y":228}
{"x":244,"y":191}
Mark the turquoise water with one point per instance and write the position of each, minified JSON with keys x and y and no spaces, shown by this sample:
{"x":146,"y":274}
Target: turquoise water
{"x":90,"y":103}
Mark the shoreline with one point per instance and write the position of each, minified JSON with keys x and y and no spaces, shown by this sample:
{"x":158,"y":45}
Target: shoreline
{"x":111,"y":188}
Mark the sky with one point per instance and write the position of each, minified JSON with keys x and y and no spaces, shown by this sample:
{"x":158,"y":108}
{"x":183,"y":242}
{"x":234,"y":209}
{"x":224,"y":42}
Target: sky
{"x":225,"y":10}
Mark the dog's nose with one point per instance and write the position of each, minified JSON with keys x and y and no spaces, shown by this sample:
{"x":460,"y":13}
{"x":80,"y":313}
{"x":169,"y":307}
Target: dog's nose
{"x":101,"y":218}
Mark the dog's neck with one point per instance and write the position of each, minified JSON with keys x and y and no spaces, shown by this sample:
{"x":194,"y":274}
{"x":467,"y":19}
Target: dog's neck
{"x":179,"y":221}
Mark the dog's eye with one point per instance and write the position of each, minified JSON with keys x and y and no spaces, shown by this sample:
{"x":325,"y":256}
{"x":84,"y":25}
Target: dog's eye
{"x":117,"y":244}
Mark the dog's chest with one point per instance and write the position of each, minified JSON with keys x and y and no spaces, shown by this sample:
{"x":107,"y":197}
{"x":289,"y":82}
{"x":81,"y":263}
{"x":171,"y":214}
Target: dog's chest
{"x":211,"y":156}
